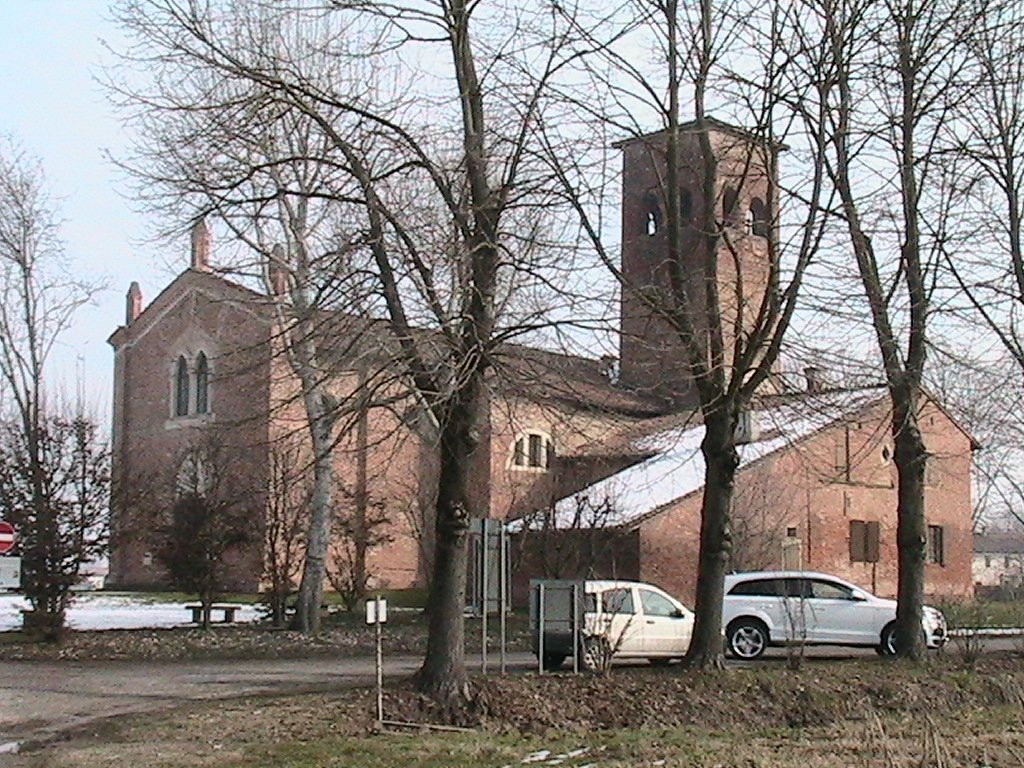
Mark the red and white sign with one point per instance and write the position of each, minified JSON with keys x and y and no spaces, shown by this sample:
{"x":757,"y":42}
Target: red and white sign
{"x":6,"y":537}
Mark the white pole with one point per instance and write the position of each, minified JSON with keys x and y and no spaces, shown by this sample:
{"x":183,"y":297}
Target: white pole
{"x":503,"y":585}
{"x":540,"y":628}
{"x":575,"y":628}
{"x":485,"y":541}
{"x":380,"y":665}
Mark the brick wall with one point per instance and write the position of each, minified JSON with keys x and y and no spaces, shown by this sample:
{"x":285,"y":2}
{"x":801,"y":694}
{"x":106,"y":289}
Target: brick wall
{"x":652,"y":358}
{"x":151,"y":442}
{"x":805,"y":494}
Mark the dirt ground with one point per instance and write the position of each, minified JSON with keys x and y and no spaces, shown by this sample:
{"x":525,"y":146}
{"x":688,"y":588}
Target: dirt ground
{"x":857,"y":712}
{"x":345,"y":635}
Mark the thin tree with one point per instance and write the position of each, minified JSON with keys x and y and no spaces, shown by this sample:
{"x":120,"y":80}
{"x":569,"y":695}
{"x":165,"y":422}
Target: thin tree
{"x":215,"y":147}
{"x":286,"y":522}
{"x":896,"y":70}
{"x":38,"y":299}
{"x":989,"y":122}
{"x":210,"y":518}
{"x":66,"y":525}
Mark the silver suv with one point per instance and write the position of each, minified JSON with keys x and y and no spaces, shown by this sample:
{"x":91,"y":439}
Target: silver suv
{"x":768,"y":608}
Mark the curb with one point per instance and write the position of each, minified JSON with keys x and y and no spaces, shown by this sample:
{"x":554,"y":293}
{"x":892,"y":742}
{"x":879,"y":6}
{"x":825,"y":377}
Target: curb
{"x":986,"y":632}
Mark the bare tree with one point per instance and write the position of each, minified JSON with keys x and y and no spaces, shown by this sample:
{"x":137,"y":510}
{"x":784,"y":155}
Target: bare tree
{"x":893,"y":76}
{"x":990,"y":125}
{"x":987,"y":397}
{"x":727,"y":312}
{"x":286,"y":521}
{"x":451,"y":206}
{"x":38,"y":298}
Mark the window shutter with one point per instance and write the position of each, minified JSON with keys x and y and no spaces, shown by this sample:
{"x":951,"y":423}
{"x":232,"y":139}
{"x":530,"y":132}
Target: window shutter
{"x":519,"y":456}
{"x":872,"y":541}
{"x":536,"y":447}
{"x":858,"y":541}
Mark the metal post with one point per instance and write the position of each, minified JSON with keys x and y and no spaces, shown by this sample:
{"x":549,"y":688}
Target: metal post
{"x":484,"y":545}
{"x":380,"y":664}
{"x":540,"y":628}
{"x":575,"y":629}
{"x":503,"y":585}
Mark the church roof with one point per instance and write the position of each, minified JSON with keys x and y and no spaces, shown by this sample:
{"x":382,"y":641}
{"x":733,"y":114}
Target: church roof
{"x":999,"y":543}
{"x":714,"y":125}
{"x":345,"y":338}
{"x":674,"y":465}
{"x":584,"y":383}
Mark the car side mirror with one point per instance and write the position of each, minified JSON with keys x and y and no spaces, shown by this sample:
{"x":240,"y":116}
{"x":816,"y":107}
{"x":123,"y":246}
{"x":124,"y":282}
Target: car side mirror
{"x":678,"y":613}
{"x":860,"y":597}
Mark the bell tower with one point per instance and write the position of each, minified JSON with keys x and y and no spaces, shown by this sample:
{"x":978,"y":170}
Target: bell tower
{"x":653,"y":357}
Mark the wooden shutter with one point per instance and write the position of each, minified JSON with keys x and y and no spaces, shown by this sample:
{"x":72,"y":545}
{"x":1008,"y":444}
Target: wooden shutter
{"x":858,"y":541}
{"x":871,"y":541}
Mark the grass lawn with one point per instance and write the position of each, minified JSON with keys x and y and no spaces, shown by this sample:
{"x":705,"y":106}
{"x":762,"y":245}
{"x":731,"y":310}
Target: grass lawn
{"x":827,"y":714}
{"x":975,"y":614}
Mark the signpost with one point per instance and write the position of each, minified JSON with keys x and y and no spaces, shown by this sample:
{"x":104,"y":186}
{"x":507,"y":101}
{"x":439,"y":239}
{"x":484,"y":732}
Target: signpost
{"x":6,"y":537}
{"x":489,"y":586}
{"x":377,"y":614}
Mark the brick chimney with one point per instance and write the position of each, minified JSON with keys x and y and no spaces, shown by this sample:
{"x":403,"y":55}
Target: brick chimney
{"x":133,"y":303}
{"x":277,"y":274}
{"x":201,"y":246}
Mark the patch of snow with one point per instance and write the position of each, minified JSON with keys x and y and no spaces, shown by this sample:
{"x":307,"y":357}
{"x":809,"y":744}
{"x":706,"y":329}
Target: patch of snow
{"x":677,"y":467}
{"x":537,"y":757}
{"x":100,"y":611}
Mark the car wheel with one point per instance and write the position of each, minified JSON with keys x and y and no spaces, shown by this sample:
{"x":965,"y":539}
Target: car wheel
{"x":597,"y":653}
{"x":887,"y":646}
{"x":553,"y":661}
{"x":747,"y":638}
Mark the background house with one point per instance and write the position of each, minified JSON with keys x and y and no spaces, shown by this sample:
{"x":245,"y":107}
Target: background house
{"x":998,"y":563}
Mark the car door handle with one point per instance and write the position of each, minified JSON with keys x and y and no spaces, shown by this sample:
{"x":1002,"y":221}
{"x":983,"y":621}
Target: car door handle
{"x":650,"y":621}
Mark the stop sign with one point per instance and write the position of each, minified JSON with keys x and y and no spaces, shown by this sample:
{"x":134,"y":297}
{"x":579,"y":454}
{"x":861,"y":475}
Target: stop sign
{"x":6,"y":537}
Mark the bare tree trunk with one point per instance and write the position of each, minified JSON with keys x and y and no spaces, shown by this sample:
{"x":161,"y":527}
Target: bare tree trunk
{"x":443,"y":674}
{"x":311,"y":588}
{"x":721,"y":462}
{"x":910,"y":457}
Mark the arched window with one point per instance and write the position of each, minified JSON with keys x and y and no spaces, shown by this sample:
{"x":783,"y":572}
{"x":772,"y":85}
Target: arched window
{"x":202,"y":384}
{"x":758,"y":217}
{"x":533,"y":450}
{"x":181,"y":388}
{"x":728,"y":203}
{"x":652,"y":215}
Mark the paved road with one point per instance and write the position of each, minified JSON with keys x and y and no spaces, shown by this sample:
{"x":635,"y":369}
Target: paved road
{"x":39,"y":700}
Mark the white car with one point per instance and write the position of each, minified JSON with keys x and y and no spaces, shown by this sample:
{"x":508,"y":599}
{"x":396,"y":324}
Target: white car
{"x":624,"y":620}
{"x":766,"y":608}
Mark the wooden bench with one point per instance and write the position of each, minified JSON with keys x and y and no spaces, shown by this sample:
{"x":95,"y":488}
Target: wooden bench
{"x":226,"y":611}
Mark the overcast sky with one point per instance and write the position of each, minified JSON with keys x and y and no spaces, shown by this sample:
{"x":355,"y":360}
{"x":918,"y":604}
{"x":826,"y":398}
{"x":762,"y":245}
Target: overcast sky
{"x":50,"y":52}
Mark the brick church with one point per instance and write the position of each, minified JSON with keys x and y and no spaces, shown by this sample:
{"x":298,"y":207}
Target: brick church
{"x":597,"y":460}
